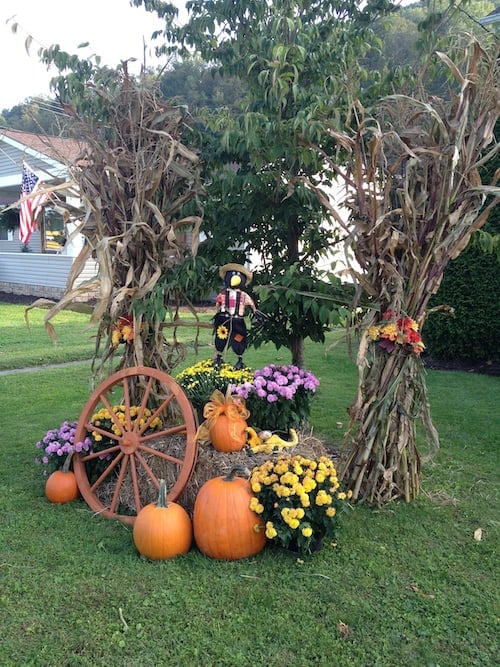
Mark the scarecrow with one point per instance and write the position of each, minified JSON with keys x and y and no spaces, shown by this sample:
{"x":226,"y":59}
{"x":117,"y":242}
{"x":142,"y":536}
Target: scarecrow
{"x":230,"y":329}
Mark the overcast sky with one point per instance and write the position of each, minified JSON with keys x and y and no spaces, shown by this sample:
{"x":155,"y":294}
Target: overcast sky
{"x":115,"y":30}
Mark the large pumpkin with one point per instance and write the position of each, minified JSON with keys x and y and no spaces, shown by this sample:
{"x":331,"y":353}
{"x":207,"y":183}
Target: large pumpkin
{"x":61,"y":486}
{"x":224,"y":525}
{"x":228,"y":434}
{"x":162,"y":530}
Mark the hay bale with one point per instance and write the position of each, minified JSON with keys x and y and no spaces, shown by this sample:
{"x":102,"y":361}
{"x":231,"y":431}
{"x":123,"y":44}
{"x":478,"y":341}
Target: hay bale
{"x":210,"y":463}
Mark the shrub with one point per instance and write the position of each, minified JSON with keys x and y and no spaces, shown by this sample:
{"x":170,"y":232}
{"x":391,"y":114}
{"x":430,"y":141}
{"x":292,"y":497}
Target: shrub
{"x":471,"y":285}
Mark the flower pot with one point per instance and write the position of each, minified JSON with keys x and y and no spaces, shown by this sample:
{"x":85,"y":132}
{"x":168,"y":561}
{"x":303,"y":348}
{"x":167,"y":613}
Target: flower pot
{"x":316,"y":545}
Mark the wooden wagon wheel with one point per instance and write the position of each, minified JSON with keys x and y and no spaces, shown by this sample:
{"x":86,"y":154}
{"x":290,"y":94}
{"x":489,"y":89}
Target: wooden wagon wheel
{"x":148,"y":432}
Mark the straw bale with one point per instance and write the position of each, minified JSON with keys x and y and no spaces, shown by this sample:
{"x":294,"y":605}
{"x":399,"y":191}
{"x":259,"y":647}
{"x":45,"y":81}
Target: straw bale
{"x":210,"y":463}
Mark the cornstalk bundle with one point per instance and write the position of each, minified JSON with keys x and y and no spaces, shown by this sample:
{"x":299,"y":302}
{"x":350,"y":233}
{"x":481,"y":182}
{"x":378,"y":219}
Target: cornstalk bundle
{"x":415,"y":198}
{"x":134,"y":177}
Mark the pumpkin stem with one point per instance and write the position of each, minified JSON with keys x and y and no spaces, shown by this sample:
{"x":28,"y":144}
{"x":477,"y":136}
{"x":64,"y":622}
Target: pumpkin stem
{"x":162,"y":496}
{"x":67,"y":462}
{"x":241,"y":469}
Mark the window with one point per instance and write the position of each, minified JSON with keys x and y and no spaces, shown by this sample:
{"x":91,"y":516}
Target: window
{"x":52,"y":231}
{"x":9,"y":223}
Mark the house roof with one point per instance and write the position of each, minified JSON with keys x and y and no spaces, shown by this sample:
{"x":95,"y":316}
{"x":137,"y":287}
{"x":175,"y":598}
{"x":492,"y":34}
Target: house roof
{"x":47,"y":156}
{"x":58,"y":148}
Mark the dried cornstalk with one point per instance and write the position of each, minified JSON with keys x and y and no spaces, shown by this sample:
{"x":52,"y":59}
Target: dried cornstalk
{"x":135,"y":177}
{"x":415,"y":197}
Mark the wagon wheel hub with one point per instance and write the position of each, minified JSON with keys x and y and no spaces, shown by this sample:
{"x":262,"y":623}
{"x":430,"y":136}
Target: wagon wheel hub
{"x":130,"y":442}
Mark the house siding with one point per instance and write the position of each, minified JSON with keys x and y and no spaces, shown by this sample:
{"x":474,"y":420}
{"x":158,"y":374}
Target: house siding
{"x":14,"y":244}
{"x":36,"y":274}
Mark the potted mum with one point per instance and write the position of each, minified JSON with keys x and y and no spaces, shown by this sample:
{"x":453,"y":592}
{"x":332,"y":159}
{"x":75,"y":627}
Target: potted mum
{"x":278,"y":397}
{"x":300,"y":501}
{"x":200,"y":380}
{"x":56,"y":444}
{"x":59,"y":442}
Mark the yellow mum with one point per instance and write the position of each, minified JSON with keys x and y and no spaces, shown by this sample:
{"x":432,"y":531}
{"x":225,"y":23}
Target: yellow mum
{"x":115,"y":338}
{"x":289,"y":478}
{"x":270,"y":530}
{"x":322,"y":498}
{"x":127,"y":332}
{"x":298,"y":489}
{"x":254,"y":503}
{"x":305,"y":501}
{"x":390,"y":331}
{"x":309,"y":484}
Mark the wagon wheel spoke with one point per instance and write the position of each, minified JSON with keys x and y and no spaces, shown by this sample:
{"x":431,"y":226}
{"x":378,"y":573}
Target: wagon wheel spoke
{"x":113,"y":414}
{"x":102,"y":453}
{"x":146,"y":467}
{"x":110,"y":435}
{"x":119,"y":482}
{"x":162,"y":455}
{"x":145,"y":399}
{"x":164,"y":444}
{"x":135,"y":484}
{"x":126,"y":402}
{"x":174,"y":430}
{"x":106,"y":472}
{"x":155,"y":414}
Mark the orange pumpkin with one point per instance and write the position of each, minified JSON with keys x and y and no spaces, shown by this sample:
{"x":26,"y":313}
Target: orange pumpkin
{"x":61,"y":486}
{"x":162,"y":530}
{"x":227,"y":434}
{"x":224,"y":525}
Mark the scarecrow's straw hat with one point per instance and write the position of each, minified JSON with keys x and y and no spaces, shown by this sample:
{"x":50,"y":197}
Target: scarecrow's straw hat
{"x":236,"y":267}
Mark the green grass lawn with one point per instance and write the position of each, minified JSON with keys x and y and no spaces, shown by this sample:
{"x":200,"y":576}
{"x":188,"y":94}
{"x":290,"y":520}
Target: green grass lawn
{"x":406,"y":585}
{"x":23,"y":345}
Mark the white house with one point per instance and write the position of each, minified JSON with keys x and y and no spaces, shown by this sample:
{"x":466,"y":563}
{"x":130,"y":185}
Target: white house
{"x":41,"y":267}
{"x":492,"y":20}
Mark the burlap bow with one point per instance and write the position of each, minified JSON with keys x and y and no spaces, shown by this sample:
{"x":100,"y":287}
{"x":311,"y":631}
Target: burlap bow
{"x":232,"y":406}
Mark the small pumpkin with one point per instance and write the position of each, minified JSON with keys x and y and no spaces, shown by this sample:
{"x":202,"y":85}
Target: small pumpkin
{"x":228,"y":434}
{"x":224,"y":525}
{"x":61,"y":486}
{"x":163,"y":529}
{"x":225,"y":422}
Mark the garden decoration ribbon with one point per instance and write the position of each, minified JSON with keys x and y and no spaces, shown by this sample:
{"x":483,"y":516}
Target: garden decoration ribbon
{"x":220,"y":404}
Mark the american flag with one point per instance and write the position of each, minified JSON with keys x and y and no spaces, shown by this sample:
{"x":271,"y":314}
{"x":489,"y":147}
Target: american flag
{"x":31,"y":203}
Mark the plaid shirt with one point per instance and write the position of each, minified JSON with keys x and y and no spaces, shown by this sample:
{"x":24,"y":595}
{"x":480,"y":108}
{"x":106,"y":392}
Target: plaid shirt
{"x":234,"y":302}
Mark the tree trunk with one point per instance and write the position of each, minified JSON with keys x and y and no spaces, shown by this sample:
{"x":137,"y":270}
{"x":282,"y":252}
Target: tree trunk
{"x":297,"y":349}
